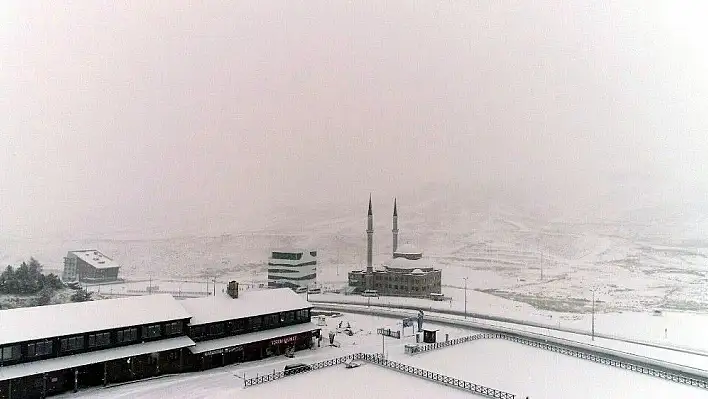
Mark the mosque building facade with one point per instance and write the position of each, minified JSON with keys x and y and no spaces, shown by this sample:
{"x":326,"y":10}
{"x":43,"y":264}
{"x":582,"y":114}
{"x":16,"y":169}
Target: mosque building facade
{"x":406,"y":274}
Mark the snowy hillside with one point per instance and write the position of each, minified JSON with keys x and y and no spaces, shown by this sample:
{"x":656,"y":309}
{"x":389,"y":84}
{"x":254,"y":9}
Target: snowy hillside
{"x":638,"y":258}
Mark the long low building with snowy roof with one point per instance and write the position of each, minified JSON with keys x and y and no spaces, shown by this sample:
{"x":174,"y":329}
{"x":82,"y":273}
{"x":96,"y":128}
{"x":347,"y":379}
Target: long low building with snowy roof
{"x":251,"y":325}
{"x":51,"y":349}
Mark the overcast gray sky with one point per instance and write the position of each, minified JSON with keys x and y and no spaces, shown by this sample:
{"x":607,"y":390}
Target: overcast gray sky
{"x":122,"y":115}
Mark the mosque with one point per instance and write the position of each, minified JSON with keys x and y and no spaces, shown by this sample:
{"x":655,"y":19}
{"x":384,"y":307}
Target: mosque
{"x":406,"y":274}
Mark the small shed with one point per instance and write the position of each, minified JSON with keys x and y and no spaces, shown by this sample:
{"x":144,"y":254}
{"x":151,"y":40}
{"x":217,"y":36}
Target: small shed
{"x":430,"y":336}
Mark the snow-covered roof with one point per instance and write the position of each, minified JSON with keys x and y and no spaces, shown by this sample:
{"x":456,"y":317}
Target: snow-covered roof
{"x":95,"y":258}
{"x":26,"y":324}
{"x":293,"y":250}
{"x":258,"y":336}
{"x":408,"y":249}
{"x":67,"y":362}
{"x":249,"y":303}
{"x":306,"y":257}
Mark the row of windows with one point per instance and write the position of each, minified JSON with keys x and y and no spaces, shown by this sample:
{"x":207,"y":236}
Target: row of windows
{"x":409,"y":278}
{"x":216,"y":329}
{"x":152,"y":331}
{"x":173,"y":328}
{"x":39,"y":348}
{"x":10,"y":353}
{"x":127,"y":335}
{"x":97,"y":340}
{"x":101,"y":339}
{"x":405,"y":287}
{"x":256,"y":323}
{"x":72,"y":344}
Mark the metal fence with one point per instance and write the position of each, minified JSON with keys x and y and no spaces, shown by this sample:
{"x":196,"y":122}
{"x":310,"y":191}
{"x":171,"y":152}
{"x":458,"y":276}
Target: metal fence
{"x":260,"y":379}
{"x":439,"y":378}
{"x":379,"y":360}
{"x":650,"y":370}
{"x":653,"y":371}
{"x":444,"y":344}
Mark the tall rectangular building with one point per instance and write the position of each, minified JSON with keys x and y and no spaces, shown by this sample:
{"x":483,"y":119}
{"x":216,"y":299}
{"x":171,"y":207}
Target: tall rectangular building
{"x":292,"y":268}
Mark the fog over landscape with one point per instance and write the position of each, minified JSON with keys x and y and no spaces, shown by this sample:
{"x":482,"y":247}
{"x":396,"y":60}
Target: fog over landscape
{"x":162,"y":120}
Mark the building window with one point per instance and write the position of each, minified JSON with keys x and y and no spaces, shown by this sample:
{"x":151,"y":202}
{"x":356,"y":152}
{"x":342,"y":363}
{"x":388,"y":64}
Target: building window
{"x":238,"y":325}
{"x":270,"y":321}
{"x":10,"y":353}
{"x":196,"y":332}
{"x":303,"y":315}
{"x":216,"y":329}
{"x":255,"y":323}
{"x":152,"y":331}
{"x":72,"y":343}
{"x":39,"y":349}
{"x":173,"y":328}
{"x":102,"y":339}
{"x":289,"y":317}
{"x":127,"y":335}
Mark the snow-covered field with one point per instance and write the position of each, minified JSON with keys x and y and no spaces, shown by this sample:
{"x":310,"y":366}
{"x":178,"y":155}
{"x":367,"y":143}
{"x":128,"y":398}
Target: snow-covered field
{"x":541,"y":374}
{"x":497,"y":364}
{"x":635,"y":265}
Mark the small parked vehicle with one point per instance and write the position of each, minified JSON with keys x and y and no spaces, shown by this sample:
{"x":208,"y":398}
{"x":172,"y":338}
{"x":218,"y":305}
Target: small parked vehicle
{"x":350,"y":364}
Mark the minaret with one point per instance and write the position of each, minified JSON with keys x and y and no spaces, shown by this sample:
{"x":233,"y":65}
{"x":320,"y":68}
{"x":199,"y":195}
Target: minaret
{"x":369,"y":277}
{"x":370,"y":240}
{"x":395,"y":226}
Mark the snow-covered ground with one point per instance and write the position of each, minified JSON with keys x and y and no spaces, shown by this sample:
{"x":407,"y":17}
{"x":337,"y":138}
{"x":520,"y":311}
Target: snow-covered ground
{"x":542,"y":374}
{"x":635,"y":265}
{"x":495,"y":363}
{"x":683,"y":329}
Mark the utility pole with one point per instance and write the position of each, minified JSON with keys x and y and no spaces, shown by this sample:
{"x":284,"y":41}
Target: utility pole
{"x":214,"y":285}
{"x":593,"y":314}
{"x":383,"y":340}
{"x":465,"y":278}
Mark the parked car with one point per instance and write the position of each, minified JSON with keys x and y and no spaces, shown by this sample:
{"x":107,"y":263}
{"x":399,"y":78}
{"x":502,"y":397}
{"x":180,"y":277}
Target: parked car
{"x":370,"y":293}
{"x":350,"y":364}
{"x":301,"y":290}
{"x":298,"y":368}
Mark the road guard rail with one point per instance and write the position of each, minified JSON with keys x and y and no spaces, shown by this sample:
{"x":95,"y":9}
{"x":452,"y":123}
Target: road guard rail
{"x":652,"y":367}
{"x":379,"y":360}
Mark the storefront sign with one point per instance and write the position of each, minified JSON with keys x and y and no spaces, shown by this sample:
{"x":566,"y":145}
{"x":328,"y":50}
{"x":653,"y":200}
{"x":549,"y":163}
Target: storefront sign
{"x":225,"y":350}
{"x":233,"y":349}
{"x":285,"y":340}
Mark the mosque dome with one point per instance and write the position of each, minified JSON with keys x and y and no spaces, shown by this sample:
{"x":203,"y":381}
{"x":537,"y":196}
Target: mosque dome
{"x":408,"y":249}
{"x":408,"y":264}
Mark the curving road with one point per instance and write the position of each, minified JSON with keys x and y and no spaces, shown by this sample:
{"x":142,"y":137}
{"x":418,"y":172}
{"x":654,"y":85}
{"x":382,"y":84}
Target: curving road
{"x":481,"y":316}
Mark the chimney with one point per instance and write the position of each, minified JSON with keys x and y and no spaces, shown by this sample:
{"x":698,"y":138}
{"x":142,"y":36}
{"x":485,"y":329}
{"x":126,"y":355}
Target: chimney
{"x":232,"y":289}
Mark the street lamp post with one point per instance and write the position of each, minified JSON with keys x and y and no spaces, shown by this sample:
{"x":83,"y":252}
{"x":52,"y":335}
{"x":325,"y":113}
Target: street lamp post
{"x":593,"y":314}
{"x":465,"y":278}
